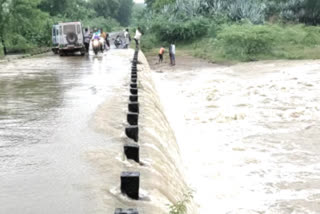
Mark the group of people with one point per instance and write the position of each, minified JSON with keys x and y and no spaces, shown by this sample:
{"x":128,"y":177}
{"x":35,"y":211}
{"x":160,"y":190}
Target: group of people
{"x":172,"y":54}
{"x":104,"y":38}
{"x":98,"y":34}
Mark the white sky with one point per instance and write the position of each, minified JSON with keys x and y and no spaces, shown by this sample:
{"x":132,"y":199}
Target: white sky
{"x":139,"y":1}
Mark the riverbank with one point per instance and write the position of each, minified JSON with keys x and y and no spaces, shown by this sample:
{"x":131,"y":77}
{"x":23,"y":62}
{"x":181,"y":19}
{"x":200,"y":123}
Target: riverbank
{"x":36,"y":52}
{"x":247,"y":132}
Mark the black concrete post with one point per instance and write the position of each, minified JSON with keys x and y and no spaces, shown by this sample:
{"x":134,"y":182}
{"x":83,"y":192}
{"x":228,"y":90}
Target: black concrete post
{"x":132,"y":132}
{"x":134,"y":76}
{"x":134,"y":107}
{"x":133,"y":98}
{"x":132,"y":152}
{"x":133,"y":119}
{"x":134,"y":91}
{"x":134,"y":85}
{"x":130,"y":182}
{"x":134,"y":72}
{"x":126,"y":211}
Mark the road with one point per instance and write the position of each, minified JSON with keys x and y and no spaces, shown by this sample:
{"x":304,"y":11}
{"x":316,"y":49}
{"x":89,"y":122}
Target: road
{"x":46,"y":105}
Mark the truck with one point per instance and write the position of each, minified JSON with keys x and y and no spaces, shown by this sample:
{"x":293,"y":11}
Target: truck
{"x":70,"y":38}
{"x":55,"y":39}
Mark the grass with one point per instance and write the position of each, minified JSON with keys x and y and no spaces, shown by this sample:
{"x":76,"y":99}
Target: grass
{"x":246,"y":42}
{"x":181,"y":206}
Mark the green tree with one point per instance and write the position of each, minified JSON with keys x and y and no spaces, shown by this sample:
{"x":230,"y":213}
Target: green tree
{"x":72,"y":10}
{"x":106,"y":8}
{"x":18,"y":30}
{"x":158,"y":4}
{"x":125,"y":12}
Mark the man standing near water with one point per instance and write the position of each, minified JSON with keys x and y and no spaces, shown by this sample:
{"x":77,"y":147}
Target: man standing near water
{"x":172,"y":53}
{"x":137,"y":37}
{"x":161,"y":52}
{"x":87,"y":39}
{"x":127,"y":38}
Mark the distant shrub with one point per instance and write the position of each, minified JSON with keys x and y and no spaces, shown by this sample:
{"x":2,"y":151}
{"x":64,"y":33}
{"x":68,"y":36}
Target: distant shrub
{"x":16,"y":43}
{"x":245,"y":41}
{"x":149,"y":41}
{"x":1,"y":51}
{"x":181,"y":206}
{"x":312,"y":37}
{"x":179,"y":30}
{"x":108,"y":24}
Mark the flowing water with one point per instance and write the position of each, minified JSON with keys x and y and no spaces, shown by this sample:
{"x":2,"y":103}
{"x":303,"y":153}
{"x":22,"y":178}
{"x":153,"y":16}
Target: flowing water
{"x":62,"y":123}
{"x":249,"y":134}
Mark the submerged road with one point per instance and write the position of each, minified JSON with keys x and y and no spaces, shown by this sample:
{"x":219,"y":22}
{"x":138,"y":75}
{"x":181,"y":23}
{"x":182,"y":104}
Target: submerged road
{"x":46,"y":105}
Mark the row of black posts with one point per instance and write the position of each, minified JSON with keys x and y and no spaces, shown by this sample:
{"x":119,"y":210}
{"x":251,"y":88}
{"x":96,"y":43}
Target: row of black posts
{"x":130,"y":181}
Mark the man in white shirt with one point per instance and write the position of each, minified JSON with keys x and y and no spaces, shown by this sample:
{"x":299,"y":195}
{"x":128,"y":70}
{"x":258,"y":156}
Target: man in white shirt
{"x":137,"y":37}
{"x":87,"y":39}
{"x":127,"y":38}
{"x":172,"y":53}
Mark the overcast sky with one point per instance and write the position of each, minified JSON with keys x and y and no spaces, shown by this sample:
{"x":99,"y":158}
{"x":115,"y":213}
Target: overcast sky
{"x":138,"y":1}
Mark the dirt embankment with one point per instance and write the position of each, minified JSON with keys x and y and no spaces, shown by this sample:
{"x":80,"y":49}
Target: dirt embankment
{"x":183,"y":62}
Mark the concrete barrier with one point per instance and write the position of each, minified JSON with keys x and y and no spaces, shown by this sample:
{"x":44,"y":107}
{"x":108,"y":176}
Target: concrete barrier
{"x":130,"y":184}
{"x":134,"y":91}
{"x":133,"y":98}
{"x":133,"y":119}
{"x":132,"y":152}
{"x":133,"y":85}
{"x":132,"y":132}
{"x":134,"y":107}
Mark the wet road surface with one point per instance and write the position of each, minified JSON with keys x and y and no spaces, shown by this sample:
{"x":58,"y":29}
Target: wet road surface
{"x":46,"y":105}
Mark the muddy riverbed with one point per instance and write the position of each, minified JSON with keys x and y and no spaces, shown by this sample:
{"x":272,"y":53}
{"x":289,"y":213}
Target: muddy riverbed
{"x":248,"y":133}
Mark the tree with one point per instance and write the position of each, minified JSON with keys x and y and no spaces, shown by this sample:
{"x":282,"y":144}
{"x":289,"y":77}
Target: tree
{"x":106,"y":8}
{"x":125,"y":12}
{"x":18,"y":29}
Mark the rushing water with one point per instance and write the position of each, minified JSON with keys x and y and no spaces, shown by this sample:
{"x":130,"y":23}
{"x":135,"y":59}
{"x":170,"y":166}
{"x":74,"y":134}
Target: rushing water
{"x":249,"y":135}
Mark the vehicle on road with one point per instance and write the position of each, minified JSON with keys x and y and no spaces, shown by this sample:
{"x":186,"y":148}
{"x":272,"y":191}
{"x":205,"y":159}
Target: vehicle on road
{"x":97,"y":46}
{"x":118,"y":42}
{"x":55,"y":39}
{"x":71,"y":38}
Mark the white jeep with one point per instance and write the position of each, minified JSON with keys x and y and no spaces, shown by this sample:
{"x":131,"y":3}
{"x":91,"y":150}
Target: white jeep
{"x":71,"y":38}
{"x":55,"y":39}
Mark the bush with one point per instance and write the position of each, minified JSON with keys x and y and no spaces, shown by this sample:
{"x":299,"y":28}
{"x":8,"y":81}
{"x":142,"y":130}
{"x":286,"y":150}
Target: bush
{"x":174,"y":31}
{"x":108,"y":25}
{"x":16,"y":43}
{"x":246,"y":41}
{"x":181,"y":206}
{"x":1,"y":51}
{"x":149,"y":41}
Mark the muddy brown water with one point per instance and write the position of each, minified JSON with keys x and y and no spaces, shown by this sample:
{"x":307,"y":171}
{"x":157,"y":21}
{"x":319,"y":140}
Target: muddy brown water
{"x":248,"y":133}
{"x":62,"y":122}
{"x":46,"y":105}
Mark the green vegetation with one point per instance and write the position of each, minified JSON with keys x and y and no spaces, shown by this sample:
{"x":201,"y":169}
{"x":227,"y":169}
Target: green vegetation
{"x":1,"y":51}
{"x":236,"y":30}
{"x":181,"y":206}
{"x":25,"y":25}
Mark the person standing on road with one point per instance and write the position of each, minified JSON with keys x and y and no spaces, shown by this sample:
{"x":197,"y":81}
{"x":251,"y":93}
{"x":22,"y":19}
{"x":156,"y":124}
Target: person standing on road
{"x":87,"y":39}
{"x":172,"y":53}
{"x":127,"y":38}
{"x":137,"y":37}
{"x":104,"y":36}
{"x":161,"y":52}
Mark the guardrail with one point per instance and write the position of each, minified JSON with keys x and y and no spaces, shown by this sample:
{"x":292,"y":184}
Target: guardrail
{"x":130,"y":181}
